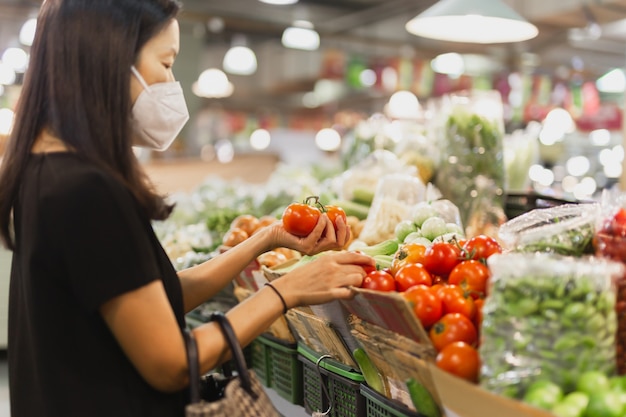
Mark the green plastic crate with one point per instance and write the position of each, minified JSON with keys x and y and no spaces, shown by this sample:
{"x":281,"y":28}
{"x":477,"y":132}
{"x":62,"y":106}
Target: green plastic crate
{"x":314,"y":398}
{"x":285,"y":369}
{"x":341,"y":382}
{"x":378,"y":405}
{"x":260,"y":361}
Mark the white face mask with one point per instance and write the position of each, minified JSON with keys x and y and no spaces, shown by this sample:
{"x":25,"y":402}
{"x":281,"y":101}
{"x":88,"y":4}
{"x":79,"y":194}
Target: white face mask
{"x":159,"y":114}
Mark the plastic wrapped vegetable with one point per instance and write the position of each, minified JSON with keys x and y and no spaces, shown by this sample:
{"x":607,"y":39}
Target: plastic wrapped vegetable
{"x":567,"y":229}
{"x":394,"y":197}
{"x":472,"y":163}
{"x":547,"y":316}
{"x":359,"y":182}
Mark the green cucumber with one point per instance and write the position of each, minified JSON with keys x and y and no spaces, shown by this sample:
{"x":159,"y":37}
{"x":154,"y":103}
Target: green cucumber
{"x":369,"y":371}
{"x":386,"y":247}
{"x":363,"y":196}
{"x":422,"y":399}
{"x":383,"y":261}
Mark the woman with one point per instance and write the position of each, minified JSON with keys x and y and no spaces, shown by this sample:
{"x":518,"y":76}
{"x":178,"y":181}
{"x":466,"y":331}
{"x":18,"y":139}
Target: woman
{"x":96,"y":308}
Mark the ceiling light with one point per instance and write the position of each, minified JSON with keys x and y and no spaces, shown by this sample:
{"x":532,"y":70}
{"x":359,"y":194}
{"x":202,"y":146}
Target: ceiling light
{"x":7,"y":74}
{"x":279,"y":2}
{"x":6,"y":121}
{"x":403,"y":105}
{"x":449,"y":63}
{"x":16,"y":58}
{"x":328,"y":140}
{"x":301,"y":35}
{"x":212,"y":83}
{"x":260,"y":139}
{"x":472,"y":21}
{"x":27,"y":32}
{"x":613,"y":81}
{"x":240,"y":59}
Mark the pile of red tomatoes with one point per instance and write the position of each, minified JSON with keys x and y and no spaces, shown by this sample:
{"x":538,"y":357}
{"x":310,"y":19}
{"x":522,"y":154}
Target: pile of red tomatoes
{"x":446,"y":283}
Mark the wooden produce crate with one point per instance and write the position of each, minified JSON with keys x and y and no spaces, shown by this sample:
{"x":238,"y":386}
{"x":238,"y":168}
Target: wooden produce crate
{"x":389,"y":310}
{"x":320,"y":335}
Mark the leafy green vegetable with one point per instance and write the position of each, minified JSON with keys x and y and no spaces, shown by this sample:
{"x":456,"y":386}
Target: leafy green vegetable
{"x":473,"y":162}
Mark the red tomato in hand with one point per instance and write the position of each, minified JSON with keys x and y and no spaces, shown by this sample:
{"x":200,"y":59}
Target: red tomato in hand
{"x":379,"y":281}
{"x":450,"y":328}
{"x":471,"y":276}
{"x":459,"y":359}
{"x":441,"y":258}
{"x":300,"y":219}
{"x":410,"y":275}
{"x":426,"y":305}
{"x":481,"y":247}
{"x":335,"y":212}
{"x":454,"y":300}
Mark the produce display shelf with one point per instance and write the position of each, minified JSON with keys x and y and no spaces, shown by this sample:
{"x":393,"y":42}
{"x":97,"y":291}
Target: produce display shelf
{"x":331,"y":384}
{"x":378,"y":405}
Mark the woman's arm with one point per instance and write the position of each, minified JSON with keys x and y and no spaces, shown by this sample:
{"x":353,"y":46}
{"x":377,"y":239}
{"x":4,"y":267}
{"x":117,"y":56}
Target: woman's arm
{"x":201,"y":282}
{"x":145,"y":326}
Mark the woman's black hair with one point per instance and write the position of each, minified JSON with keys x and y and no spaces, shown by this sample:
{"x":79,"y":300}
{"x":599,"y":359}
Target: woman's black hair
{"x":77,"y":87}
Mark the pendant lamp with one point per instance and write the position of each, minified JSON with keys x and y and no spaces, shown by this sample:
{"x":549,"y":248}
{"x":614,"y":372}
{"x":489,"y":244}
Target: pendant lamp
{"x":472,"y":21}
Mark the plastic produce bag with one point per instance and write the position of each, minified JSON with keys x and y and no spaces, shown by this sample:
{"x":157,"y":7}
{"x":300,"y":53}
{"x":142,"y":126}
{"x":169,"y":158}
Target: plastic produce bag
{"x":547,"y":316}
{"x":362,"y":179}
{"x":567,"y":229}
{"x":394,"y":197}
{"x":521,"y":151}
{"x":472,"y":162}
{"x":610,"y":242}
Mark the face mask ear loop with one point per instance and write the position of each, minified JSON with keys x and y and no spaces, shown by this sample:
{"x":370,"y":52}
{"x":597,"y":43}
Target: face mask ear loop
{"x":139,"y":78}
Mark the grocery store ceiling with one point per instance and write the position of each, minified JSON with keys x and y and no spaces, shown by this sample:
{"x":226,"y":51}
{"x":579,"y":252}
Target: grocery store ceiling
{"x":376,"y":27}
{"x":360,"y":24}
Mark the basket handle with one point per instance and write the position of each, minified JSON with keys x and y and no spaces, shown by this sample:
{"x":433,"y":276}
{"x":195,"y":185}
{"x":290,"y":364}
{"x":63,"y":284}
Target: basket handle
{"x":194,"y":366}
{"x":237,"y":354}
{"x":235,"y":348}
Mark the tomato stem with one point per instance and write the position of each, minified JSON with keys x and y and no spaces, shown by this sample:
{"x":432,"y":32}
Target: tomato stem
{"x":316,"y":202}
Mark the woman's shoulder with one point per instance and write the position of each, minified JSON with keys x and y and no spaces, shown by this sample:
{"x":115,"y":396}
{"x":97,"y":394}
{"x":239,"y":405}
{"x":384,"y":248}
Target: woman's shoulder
{"x":66,"y":174}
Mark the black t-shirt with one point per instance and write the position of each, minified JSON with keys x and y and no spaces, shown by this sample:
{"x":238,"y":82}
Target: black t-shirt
{"x":81,"y":239}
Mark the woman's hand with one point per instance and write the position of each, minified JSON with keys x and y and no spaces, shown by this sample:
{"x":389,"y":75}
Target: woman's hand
{"x":323,"y":280}
{"x":322,"y":238}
